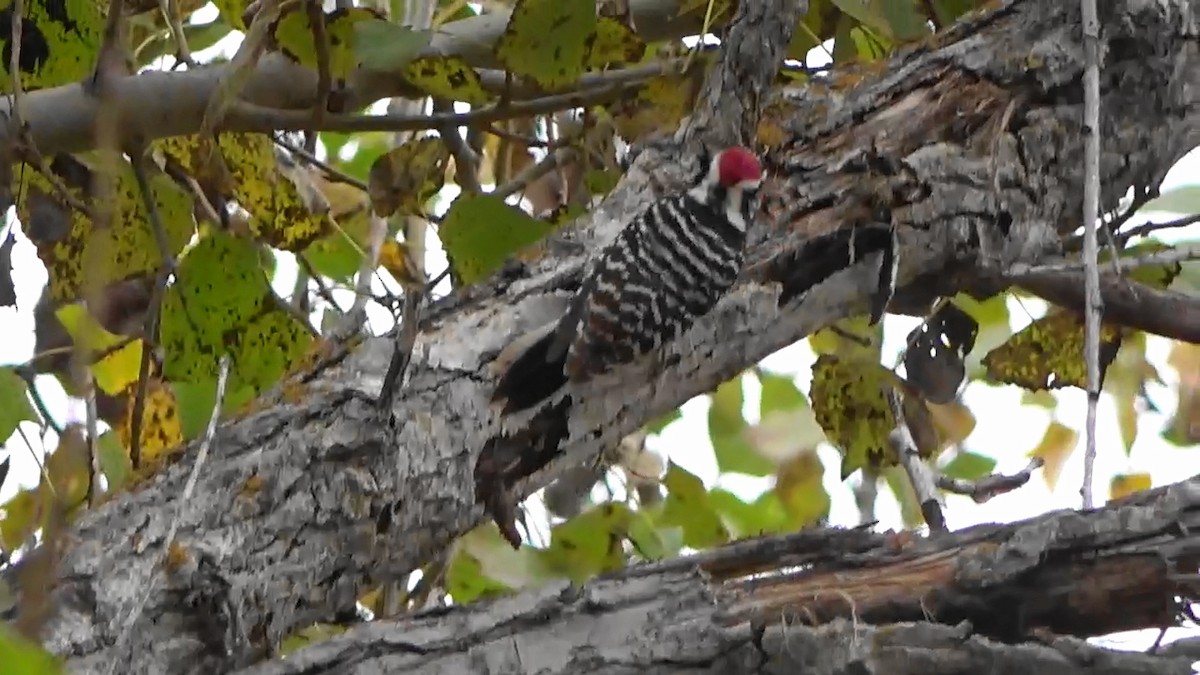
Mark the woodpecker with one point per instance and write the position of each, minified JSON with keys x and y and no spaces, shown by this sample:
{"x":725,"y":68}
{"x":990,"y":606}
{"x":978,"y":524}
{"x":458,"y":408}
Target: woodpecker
{"x":665,"y":269}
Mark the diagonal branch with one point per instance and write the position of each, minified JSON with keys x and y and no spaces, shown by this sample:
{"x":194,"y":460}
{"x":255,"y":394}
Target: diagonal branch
{"x":160,"y":104}
{"x":311,"y":499}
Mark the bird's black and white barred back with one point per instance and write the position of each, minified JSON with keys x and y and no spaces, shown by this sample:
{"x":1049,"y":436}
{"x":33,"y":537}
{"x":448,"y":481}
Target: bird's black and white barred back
{"x":665,"y":269}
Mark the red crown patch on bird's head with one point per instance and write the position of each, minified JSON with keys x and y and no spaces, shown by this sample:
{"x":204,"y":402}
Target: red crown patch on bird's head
{"x":738,"y":167}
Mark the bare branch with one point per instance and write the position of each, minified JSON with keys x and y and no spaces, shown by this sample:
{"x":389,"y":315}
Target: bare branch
{"x":249,"y":117}
{"x":171,"y":14}
{"x":184,"y":499}
{"x":1094,"y":308}
{"x":985,"y":488}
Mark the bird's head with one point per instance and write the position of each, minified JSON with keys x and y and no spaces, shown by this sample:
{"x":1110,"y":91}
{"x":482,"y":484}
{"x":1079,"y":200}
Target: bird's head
{"x":736,"y":168}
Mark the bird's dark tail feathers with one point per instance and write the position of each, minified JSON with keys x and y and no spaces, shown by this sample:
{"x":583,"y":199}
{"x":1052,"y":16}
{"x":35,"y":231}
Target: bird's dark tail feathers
{"x":824,"y":256}
{"x":534,"y":372}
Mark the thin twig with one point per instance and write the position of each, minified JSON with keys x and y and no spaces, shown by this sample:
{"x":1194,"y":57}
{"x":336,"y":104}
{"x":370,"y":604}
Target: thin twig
{"x":316,"y":17}
{"x":153,"y":312}
{"x":93,"y":432}
{"x":466,"y":164}
{"x":532,"y":172}
{"x":1094,"y":307}
{"x":171,"y":14}
{"x":251,"y":117}
{"x":28,"y":374}
{"x":406,"y":338}
{"x":983,"y":489}
{"x":919,"y":474}
{"x":1151,"y":227}
{"x":1164,"y":257}
{"x":322,"y":289}
{"x":241,"y":67}
{"x":33,"y":156}
{"x":356,"y":316}
{"x":184,"y":499}
{"x":38,"y":460}
{"x":312,"y":159}
{"x":527,"y":141}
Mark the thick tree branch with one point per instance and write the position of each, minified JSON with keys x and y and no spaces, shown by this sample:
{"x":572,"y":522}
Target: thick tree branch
{"x":1129,"y":303}
{"x":302,"y":498}
{"x":158,"y":104}
{"x":989,"y":598}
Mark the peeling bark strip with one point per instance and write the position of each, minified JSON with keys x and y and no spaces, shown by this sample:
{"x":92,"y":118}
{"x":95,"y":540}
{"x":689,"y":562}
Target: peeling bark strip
{"x":751,"y":54}
{"x":304,"y":505}
{"x":992,"y":598}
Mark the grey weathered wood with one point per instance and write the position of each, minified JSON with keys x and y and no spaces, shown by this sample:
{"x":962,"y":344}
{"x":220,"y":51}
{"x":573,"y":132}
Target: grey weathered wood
{"x":349,"y":497}
{"x":995,"y":587}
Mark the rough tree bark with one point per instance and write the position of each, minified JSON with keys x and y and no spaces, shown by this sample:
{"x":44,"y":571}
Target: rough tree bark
{"x":821,"y":607}
{"x":307,"y":502}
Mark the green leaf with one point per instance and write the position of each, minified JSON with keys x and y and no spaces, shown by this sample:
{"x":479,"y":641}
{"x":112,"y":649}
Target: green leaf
{"x":466,"y":582}
{"x":765,"y":515}
{"x":548,"y":40}
{"x":222,"y":304}
{"x":1156,"y":276}
{"x":384,"y":46}
{"x":615,"y":43}
{"x":969,"y":466}
{"x":779,"y":393}
{"x":651,"y":542}
{"x":498,"y":568}
{"x":590,"y":543}
{"x":904,"y":23}
{"x":22,"y":657}
{"x":1183,"y":199}
{"x":15,"y":406}
{"x":449,"y":77}
{"x":687,"y":505}
{"x":294,"y":35}
{"x":481,"y":231}
{"x":800,"y":488}
{"x":114,"y":460}
{"x":727,"y":430}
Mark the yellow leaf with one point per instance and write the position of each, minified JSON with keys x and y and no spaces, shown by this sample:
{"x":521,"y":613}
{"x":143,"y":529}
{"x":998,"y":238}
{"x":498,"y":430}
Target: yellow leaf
{"x":60,"y":43}
{"x":77,"y":254}
{"x":294,"y":35}
{"x":801,"y":490}
{"x":69,"y":467}
{"x":21,"y":517}
{"x":160,"y":429}
{"x":614,"y":43}
{"x":405,"y":178}
{"x":548,"y":40}
{"x":850,"y":338}
{"x":1056,"y":446}
{"x":449,"y":77}
{"x":396,"y":258}
{"x":120,"y":366}
{"x":1048,"y":354}
{"x":282,"y":215}
{"x":850,"y":403}
{"x":660,"y":104}
{"x":1185,"y":359}
{"x":954,"y":422}
{"x":1123,"y":485}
